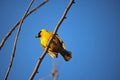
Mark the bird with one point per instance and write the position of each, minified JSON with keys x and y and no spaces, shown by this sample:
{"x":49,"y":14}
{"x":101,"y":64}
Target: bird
{"x":56,"y":46}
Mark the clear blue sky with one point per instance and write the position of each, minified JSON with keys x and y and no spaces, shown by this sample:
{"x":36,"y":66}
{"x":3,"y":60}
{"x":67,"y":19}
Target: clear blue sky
{"x":91,"y":31}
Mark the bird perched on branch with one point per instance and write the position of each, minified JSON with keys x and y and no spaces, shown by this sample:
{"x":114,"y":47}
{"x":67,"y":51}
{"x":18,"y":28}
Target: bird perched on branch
{"x":56,"y":46}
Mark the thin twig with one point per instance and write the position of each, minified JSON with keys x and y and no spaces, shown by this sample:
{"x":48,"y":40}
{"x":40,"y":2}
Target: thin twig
{"x":55,"y":74}
{"x":15,"y":42}
{"x":54,"y":33}
{"x":13,"y":28}
{"x":55,"y":69}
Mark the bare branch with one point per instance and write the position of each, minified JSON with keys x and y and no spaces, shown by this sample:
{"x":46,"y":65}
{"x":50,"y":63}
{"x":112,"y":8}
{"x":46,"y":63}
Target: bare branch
{"x":54,"y":33}
{"x":15,"y":42}
{"x":13,"y":28}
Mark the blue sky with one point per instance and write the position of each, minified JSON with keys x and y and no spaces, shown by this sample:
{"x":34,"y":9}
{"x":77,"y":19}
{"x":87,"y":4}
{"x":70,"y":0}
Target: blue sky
{"x":91,"y":31}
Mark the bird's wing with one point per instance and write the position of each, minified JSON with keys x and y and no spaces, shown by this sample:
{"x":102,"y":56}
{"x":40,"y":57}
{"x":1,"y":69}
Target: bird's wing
{"x":52,"y":54}
{"x":63,"y":45}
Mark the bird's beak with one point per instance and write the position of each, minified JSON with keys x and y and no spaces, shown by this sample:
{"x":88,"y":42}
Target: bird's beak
{"x":37,"y":36}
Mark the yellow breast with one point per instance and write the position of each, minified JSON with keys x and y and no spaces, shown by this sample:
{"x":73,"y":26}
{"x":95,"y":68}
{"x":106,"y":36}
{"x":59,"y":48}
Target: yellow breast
{"x":45,"y":38}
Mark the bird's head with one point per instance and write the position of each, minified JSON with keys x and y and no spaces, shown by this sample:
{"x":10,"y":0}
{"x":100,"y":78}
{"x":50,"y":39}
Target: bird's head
{"x":40,"y":33}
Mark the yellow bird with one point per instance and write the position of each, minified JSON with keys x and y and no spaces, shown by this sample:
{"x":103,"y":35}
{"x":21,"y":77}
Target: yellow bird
{"x":56,"y":46}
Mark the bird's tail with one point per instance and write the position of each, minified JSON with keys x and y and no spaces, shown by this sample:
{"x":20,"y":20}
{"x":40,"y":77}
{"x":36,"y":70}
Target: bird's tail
{"x":67,"y":55}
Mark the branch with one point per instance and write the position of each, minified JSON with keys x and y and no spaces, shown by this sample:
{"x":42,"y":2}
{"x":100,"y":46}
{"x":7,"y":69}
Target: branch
{"x":13,"y":28}
{"x":54,"y":33}
{"x":15,"y":42}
